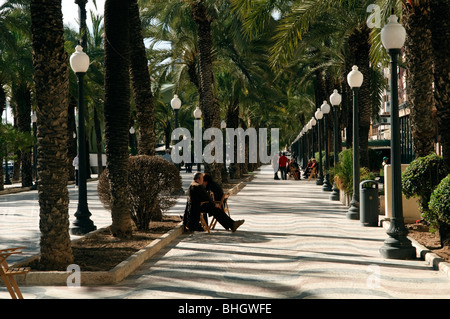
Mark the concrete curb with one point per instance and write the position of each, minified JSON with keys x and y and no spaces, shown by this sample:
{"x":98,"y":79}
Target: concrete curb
{"x":92,"y":278}
{"x":426,"y":254}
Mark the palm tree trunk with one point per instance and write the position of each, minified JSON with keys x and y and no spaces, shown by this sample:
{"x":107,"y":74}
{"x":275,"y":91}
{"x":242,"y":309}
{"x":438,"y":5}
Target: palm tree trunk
{"x":140,"y":79}
{"x":2,"y":108}
{"x":98,"y":141}
{"x":117,"y":109}
{"x":72,"y":143}
{"x":22,"y":96}
{"x":52,"y":91}
{"x":440,"y":35}
{"x":233,"y":122}
{"x":359,"y":44}
{"x":419,"y":63}
{"x":210,"y":109}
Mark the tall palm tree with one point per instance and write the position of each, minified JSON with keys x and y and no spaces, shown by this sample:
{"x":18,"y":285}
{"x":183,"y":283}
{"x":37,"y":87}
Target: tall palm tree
{"x":419,"y":85}
{"x":296,"y":21}
{"x":51,"y":85}
{"x":207,"y":99}
{"x":117,"y":108}
{"x":20,"y":62}
{"x":440,"y":33}
{"x":140,"y":79}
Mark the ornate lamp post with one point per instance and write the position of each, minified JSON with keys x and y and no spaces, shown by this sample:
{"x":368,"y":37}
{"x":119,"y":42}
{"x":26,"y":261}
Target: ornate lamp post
{"x":355,"y":80}
{"x":223,"y":126}
{"x":79,"y":62}
{"x":335,"y":100}
{"x":133,"y":140}
{"x":325,"y":108}
{"x":397,"y":246}
{"x":33,"y":120}
{"x":176,"y":104}
{"x":319,"y":115}
{"x":312,"y":124}
{"x":198,"y":116}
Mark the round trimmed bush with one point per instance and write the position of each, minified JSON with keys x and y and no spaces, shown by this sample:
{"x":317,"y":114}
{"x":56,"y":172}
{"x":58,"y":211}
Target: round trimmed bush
{"x":153,"y":184}
{"x":420,"y":179}
{"x":440,"y":207}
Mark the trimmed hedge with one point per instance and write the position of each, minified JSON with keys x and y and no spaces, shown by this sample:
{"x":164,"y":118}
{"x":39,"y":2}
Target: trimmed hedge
{"x":152,"y":182}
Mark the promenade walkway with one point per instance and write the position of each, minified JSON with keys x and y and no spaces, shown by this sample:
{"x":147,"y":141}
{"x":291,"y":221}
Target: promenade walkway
{"x":295,"y":243}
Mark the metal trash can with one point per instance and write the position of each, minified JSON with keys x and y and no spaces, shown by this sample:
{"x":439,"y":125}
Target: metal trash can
{"x":368,"y":203}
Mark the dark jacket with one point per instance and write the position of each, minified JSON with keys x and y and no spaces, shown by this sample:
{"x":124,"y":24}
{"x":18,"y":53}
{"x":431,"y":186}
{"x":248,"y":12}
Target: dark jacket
{"x":195,"y":196}
{"x":216,"y":190}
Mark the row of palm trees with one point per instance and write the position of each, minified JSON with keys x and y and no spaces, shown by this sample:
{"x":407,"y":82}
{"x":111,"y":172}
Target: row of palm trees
{"x":253,"y":63}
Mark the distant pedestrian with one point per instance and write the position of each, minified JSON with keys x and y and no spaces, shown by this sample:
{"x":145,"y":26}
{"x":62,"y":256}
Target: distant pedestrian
{"x":167,"y":156}
{"x":283,"y":161}
{"x":76,"y":166}
{"x":275,"y":166}
{"x":385,"y":160}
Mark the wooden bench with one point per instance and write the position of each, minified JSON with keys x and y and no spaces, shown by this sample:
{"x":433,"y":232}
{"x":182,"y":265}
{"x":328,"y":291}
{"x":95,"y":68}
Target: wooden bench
{"x":313,"y":174}
{"x":203,"y":216}
{"x":7,"y":273}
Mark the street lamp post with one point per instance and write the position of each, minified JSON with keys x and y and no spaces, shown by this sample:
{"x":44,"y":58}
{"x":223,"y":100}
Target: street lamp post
{"x":312,"y":124}
{"x":198,"y":116}
{"x":79,"y":62}
{"x":397,"y":246}
{"x":355,"y":79}
{"x":335,"y":100}
{"x":325,"y":108}
{"x":176,"y":104}
{"x":319,"y":115}
{"x":133,"y":140}
{"x":223,"y":126}
{"x":33,"y":120}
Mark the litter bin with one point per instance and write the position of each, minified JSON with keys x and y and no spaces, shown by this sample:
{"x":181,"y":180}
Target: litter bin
{"x":369,"y":203}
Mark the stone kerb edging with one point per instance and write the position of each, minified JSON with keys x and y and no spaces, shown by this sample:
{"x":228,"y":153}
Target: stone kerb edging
{"x":88,"y":278}
{"x":426,"y":254}
{"x":120,"y":271}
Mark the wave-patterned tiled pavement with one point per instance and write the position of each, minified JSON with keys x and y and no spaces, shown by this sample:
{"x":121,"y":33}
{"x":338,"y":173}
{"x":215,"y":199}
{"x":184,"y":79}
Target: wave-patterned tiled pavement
{"x":295,"y":243}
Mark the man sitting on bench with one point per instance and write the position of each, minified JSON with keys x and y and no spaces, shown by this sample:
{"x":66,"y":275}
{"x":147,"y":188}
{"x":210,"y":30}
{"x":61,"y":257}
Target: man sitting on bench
{"x":199,"y":201}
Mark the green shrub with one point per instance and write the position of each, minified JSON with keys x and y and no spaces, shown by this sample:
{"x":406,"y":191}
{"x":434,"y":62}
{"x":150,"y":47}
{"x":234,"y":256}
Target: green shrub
{"x":420,"y":179}
{"x":152,"y":183}
{"x":439,"y":207}
{"x":343,"y":172}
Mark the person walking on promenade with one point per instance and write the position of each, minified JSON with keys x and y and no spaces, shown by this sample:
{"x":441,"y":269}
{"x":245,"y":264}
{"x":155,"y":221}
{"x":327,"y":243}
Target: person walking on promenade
{"x":199,"y":201}
{"x":76,"y":167}
{"x":283,"y":162}
{"x":275,"y":166}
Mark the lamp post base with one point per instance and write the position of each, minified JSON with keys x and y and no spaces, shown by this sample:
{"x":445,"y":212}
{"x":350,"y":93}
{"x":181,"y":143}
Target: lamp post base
{"x":397,"y":245}
{"x":335,"y":193}
{"x":319,"y":180}
{"x":353,"y":211}
{"x":398,"y":248}
{"x":326,"y":185}
{"x":83,"y":224}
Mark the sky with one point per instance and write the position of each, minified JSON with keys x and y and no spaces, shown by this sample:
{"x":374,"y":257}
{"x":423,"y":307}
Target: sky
{"x":70,"y":12}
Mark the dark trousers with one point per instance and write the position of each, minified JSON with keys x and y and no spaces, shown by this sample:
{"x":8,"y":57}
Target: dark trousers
{"x":283,"y":172}
{"x":214,"y":211}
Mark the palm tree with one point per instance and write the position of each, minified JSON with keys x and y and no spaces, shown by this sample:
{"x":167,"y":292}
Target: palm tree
{"x":20,"y":64}
{"x":140,"y":79}
{"x":117,"y":108}
{"x":419,"y":85}
{"x":440,"y":33}
{"x":298,"y":18}
{"x":51,"y":85}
